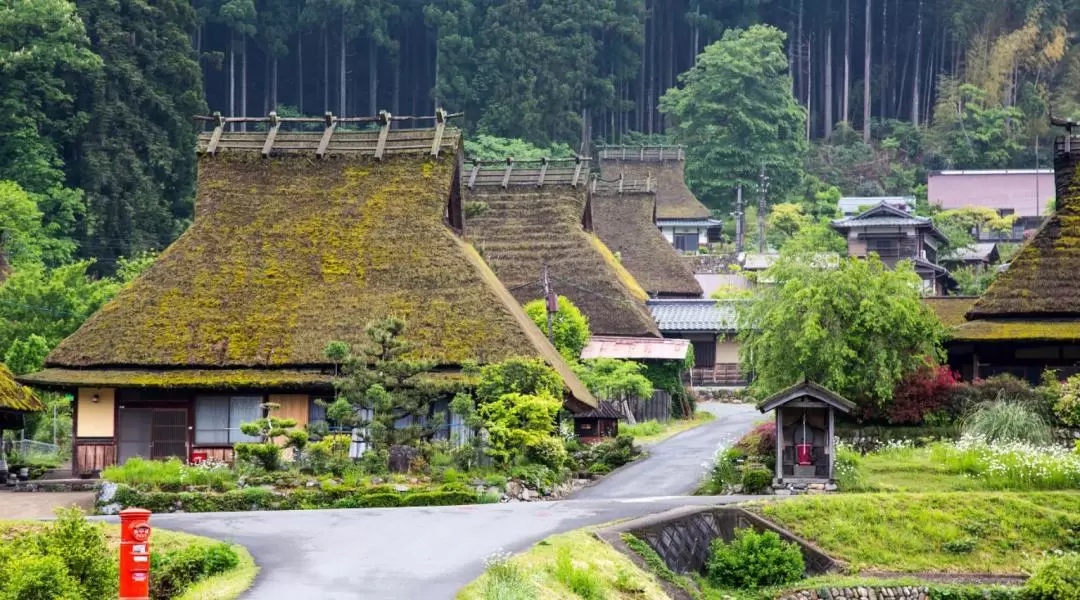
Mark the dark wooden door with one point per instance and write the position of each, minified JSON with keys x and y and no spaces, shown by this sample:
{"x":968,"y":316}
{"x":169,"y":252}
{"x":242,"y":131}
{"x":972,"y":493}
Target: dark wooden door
{"x":133,"y":437}
{"x":169,"y":433}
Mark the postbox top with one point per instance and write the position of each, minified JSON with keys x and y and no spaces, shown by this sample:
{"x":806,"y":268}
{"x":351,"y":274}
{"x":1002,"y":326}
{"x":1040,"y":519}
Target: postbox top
{"x":129,"y":514}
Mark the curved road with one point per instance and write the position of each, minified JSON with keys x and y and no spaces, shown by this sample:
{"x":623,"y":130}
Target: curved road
{"x":428,"y":553}
{"x":675,"y":466}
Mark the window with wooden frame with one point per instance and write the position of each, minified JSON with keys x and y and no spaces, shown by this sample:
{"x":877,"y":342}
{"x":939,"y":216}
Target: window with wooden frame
{"x":218,"y":419}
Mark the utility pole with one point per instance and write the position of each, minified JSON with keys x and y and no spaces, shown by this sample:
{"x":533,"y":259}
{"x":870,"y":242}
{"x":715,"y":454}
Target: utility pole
{"x":552,"y":302}
{"x":739,"y":223}
{"x":763,"y":189}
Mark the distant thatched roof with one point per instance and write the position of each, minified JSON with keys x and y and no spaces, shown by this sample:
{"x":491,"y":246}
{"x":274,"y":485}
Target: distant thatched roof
{"x":1038,"y":296}
{"x":14,"y":396}
{"x":950,"y":309}
{"x":664,"y":164}
{"x":524,"y":228}
{"x":625,"y":223}
{"x":290,"y":252}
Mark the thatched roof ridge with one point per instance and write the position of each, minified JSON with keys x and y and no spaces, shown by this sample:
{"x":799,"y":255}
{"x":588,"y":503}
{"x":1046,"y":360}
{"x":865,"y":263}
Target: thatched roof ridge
{"x":626,"y":224}
{"x":1041,"y":282}
{"x":522,"y":229}
{"x":14,"y":396}
{"x":673,"y":199}
{"x":290,"y":252}
{"x":950,"y":310}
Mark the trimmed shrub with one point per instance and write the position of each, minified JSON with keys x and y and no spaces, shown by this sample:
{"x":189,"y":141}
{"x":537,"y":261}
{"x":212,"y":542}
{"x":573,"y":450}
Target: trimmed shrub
{"x":754,"y":560}
{"x":262,"y":455}
{"x":439,"y":498}
{"x":172,"y":572}
{"x":380,"y":501}
{"x":925,"y":391}
{"x":550,"y":452}
{"x":31,"y":576}
{"x":761,"y":441}
{"x":756,"y":481}
{"x":1055,"y":579}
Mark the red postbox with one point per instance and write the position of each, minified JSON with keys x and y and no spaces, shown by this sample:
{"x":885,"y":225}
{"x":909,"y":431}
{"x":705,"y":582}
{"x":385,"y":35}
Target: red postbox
{"x":134,"y":554}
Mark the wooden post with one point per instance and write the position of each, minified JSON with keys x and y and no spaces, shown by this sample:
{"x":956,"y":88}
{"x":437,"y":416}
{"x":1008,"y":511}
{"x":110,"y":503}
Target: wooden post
{"x":215,"y":138}
{"x":275,"y":123}
{"x":577,"y":172}
{"x":543,"y":172}
{"x":509,"y":169}
{"x":330,"y":124}
{"x":779,"y":445}
{"x":384,"y":133}
{"x":440,"y":128}
{"x":472,"y":175}
{"x":829,"y":443}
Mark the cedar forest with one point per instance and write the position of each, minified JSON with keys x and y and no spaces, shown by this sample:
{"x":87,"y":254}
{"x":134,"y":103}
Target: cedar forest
{"x":856,"y":97}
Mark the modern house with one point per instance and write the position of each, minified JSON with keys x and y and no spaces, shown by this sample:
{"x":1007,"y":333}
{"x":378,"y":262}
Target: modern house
{"x":711,"y":327}
{"x":528,"y":219}
{"x":1028,"y":320}
{"x":1025,"y":193}
{"x":685,"y":222}
{"x":299,"y":239}
{"x":624,"y":217}
{"x":895,"y":235}
{"x":853,"y":205}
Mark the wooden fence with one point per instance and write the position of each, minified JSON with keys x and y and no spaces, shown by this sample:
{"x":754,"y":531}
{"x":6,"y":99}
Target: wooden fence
{"x":657,"y":408}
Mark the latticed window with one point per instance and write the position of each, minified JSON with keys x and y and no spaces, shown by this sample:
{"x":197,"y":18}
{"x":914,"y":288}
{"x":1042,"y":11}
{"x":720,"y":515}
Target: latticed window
{"x":218,"y":418}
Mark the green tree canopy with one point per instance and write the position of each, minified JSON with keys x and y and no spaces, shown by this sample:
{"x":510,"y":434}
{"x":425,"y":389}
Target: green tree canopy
{"x":490,"y":147}
{"x":857,"y":328}
{"x":735,"y":112}
{"x":570,"y":326}
{"x":609,"y":378}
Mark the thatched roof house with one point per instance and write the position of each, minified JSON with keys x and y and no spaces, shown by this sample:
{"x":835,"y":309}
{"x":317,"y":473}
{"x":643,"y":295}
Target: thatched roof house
{"x":679,"y":214}
{"x":15,"y":400}
{"x":1029,"y":318}
{"x":626,"y":224}
{"x":523,"y":226}
{"x":299,"y":239}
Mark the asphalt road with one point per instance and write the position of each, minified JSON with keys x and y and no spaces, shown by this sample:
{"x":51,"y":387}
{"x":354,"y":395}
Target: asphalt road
{"x":431,"y":553}
{"x":675,"y":466}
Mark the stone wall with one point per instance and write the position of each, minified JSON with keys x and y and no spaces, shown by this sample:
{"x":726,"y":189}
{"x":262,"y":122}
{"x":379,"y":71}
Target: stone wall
{"x":682,"y":536}
{"x":861,"y":593}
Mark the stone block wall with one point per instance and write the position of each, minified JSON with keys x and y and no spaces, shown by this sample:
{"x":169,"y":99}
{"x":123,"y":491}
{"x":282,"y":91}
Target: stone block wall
{"x":861,"y":593}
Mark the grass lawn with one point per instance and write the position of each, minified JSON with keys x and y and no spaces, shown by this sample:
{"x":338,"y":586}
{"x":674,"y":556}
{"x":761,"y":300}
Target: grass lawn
{"x":590,"y":569}
{"x":975,"y":532}
{"x":226,"y":586}
{"x":651,"y":432}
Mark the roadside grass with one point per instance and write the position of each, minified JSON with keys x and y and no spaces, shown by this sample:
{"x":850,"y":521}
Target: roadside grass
{"x":225,"y":586}
{"x":652,"y":432}
{"x":975,"y":532}
{"x":966,"y":466}
{"x":568,"y":565}
{"x":846,"y":581}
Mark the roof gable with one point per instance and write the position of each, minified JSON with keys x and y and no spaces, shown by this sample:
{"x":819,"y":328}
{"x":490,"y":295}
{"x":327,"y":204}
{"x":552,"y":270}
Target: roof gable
{"x":625,"y":224}
{"x":523,"y":229}
{"x":1041,"y":280}
{"x":806,"y":389}
{"x":14,"y":396}
{"x":290,"y":252}
{"x":885,"y":215}
{"x":665,"y":165}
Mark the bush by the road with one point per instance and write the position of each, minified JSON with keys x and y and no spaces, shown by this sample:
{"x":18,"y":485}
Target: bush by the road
{"x":753,"y":560}
{"x":1056,"y":579}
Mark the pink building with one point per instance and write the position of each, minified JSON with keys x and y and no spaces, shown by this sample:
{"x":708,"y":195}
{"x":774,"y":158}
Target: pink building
{"x":1024,"y":193}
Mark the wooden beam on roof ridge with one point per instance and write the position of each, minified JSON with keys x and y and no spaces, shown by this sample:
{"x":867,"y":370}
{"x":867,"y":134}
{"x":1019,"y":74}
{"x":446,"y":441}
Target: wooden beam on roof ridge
{"x":215,"y":138}
{"x":271,"y":134}
{"x":380,"y":148}
{"x":324,"y":143}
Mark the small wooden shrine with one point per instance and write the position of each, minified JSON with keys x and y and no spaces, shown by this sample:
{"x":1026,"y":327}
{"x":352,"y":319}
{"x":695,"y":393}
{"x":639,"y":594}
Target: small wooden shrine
{"x":804,"y":432}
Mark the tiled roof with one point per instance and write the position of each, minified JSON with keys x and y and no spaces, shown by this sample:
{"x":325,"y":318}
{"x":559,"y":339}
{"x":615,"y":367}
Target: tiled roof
{"x":851,"y":204}
{"x":693,"y":315}
{"x":884,"y":215}
{"x":704,"y":222}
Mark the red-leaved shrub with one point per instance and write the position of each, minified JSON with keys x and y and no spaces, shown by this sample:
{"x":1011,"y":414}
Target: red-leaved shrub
{"x":761,"y":441}
{"x":922,"y":392}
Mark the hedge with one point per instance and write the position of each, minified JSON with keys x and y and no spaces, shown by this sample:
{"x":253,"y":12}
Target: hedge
{"x":260,"y":498}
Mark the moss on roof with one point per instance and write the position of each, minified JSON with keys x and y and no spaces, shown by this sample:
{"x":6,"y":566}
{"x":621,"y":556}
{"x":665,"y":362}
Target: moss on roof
{"x":625,"y":224}
{"x":1042,"y":281}
{"x":14,"y":396}
{"x":1007,"y":330}
{"x":291,"y":252}
{"x":950,"y":309}
{"x":181,"y":378}
{"x":673,"y":199}
{"x":524,"y":229}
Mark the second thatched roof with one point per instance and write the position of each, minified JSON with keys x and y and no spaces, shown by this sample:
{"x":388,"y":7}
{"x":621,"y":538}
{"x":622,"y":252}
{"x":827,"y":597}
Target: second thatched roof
{"x":626,"y":225}
{"x":16,"y":397}
{"x":523,"y":228}
{"x":674,"y":200}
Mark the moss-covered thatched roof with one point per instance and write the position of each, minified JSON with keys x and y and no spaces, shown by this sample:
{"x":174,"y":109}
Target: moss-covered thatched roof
{"x":626,"y":225}
{"x":673,"y":199}
{"x":291,"y":252}
{"x":1043,"y":279}
{"x":950,"y":309}
{"x":16,"y":397}
{"x":524,"y":228}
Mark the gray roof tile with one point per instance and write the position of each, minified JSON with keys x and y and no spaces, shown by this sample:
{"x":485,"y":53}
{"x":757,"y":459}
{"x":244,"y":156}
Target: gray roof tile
{"x":693,"y":315}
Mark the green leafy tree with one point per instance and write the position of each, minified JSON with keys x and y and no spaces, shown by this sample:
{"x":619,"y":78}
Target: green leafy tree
{"x":489,"y":147}
{"x":530,"y":376}
{"x":960,"y":224}
{"x":136,"y":164}
{"x":571,"y":327}
{"x":517,"y":422}
{"x":615,"y":380}
{"x":382,"y":382}
{"x":857,"y":329}
{"x":23,"y":238}
{"x":735,"y":112}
